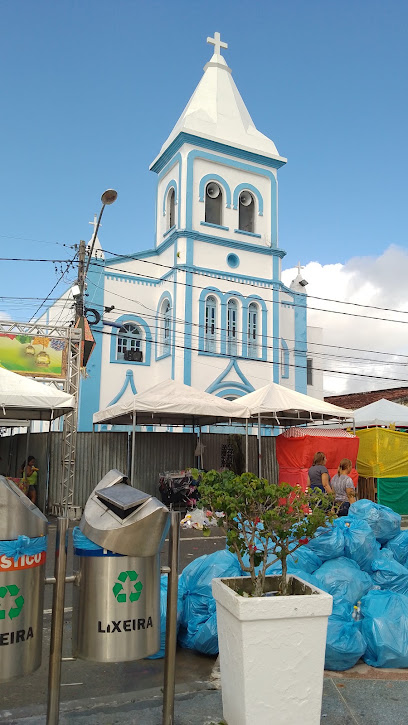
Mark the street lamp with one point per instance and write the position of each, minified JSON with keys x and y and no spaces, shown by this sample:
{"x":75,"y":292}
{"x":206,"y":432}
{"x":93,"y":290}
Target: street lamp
{"x":108,"y":197}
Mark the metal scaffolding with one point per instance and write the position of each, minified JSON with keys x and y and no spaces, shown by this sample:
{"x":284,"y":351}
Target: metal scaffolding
{"x":65,"y":505}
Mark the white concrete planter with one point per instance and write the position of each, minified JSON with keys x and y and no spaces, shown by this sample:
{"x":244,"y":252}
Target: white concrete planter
{"x":271,"y":654}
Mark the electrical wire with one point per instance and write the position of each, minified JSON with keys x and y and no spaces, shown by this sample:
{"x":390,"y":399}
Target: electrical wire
{"x":69,"y":263}
{"x":309,"y":296}
{"x":279,"y":302}
{"x":271,"y":362}
{"x":268,"y":337}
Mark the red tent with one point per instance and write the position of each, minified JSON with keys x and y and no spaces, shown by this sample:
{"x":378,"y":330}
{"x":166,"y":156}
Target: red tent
{"x":296,"y":447}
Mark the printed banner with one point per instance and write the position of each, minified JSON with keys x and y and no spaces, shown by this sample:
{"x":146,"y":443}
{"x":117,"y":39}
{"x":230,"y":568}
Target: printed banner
{"x":26,"y":561}
{"x":35,"y":355}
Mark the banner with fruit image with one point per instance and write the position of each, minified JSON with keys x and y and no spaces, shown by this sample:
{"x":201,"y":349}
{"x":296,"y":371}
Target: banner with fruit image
{"x":35,"y":355}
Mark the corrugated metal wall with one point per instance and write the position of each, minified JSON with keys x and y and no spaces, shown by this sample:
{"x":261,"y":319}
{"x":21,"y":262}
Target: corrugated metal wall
{"x":98,"y":453}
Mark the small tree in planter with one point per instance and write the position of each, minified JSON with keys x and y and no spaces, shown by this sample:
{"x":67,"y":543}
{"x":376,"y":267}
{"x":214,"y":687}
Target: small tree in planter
{"x":271,"y":648}
{"x":263,"y":521}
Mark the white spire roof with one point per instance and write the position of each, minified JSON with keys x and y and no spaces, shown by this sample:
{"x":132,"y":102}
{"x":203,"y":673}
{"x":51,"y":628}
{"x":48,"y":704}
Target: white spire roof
{"x":217,"y":112}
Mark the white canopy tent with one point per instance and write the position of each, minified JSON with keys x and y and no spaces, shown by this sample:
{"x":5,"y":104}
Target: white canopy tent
{"x":26,"y":399}
{"x":382,"y":412}
{"x":23,"y":400}
{"x":280,"y":406}
{"x":172,"y":403}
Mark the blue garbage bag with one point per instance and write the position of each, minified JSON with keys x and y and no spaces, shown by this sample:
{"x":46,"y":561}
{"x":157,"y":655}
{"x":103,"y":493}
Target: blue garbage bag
{"x":343,"y":579}
{"x":389,"y":574}
{"x":360,"y":544}
{"x":342,"y":609}
{"x":345,"y":644}
{"x":305,"y":559}
{"x":23,"y":545}
{"x":198,"y":601}
{"x":163,"y":613}
{"x":306,"y":576}
{"x":399,"y":547}
{"x":385,"y":628}
{"x":328,"y":542}
{"x":384,"y":522}
{"x":205,"y":640}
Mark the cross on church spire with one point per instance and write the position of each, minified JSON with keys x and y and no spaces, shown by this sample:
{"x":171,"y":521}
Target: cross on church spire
{"x":217,"y":43}
{"x":95,"y":222}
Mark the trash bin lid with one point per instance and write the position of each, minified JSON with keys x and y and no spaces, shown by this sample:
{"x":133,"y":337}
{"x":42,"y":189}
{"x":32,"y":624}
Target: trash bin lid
{"x":18,"y":515}
{"x":123,"y":519}
{"x":122,"y":496}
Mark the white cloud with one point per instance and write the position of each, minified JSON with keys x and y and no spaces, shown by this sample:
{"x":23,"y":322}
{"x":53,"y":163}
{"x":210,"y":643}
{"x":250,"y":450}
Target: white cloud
{"x":379,"y":281}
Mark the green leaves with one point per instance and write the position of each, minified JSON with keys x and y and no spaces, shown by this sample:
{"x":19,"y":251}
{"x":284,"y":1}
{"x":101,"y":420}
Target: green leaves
{"x":264,"y":521}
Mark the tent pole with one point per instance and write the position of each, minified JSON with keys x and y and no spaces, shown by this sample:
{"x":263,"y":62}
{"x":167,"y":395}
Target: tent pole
{"x":93,"y":477}
{"x":26,"y":453}
{"x":132,"y":475}
{"x":259,"y":447}
{"x":246,"y":445}
{"x":48,"y":463}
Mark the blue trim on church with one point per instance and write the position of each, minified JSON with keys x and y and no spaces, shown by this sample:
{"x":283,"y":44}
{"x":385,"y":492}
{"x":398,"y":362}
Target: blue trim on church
{"x":221,"y":181}
{"x":222,"y":148}
{"x":89,"y":389}
{"x":255,"y":191}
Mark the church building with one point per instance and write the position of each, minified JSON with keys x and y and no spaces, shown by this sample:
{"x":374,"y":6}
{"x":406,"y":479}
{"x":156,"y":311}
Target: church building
{"x":205,"y":306}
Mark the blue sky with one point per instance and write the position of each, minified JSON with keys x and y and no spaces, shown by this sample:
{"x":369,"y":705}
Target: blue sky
{"x":90,"y":90}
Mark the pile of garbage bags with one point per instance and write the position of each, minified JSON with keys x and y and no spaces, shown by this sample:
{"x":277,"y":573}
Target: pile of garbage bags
{"x":361,"y":560}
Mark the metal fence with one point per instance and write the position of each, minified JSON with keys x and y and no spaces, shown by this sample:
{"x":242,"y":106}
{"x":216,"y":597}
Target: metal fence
{"x":98,"y":453}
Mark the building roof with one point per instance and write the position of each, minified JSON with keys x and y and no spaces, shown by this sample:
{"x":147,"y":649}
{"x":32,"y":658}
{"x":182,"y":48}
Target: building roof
{"x":217,"y":112}
{"x":357,"y":400}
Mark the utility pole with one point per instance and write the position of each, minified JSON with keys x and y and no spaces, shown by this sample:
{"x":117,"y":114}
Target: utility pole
{"x":79,"y":302}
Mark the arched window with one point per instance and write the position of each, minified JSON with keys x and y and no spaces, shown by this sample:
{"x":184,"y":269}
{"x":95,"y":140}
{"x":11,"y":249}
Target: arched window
{"x":284,"y":359}
{"x":213,"y":203}
{"x":130,"y":343}
{"x":210,"y":324}
{"x":171,"y":208}
{"x":164,"y":327}
{"x":246,"y":221}
{"x":232,"y":327}
{"x":253,"y":322}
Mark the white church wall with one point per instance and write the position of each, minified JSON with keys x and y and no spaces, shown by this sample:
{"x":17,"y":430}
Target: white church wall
{"x":236,"y":261}
{"x":314,"y":348}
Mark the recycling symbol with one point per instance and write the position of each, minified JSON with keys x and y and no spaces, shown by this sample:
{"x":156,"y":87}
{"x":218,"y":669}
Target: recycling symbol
{"x":18,"y":603}
{"x":118,"y":591}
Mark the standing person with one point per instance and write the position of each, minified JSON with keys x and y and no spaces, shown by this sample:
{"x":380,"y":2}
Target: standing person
{"x":29,"y":473}
{"x":343,"y":487}
{"x":318,"y":476}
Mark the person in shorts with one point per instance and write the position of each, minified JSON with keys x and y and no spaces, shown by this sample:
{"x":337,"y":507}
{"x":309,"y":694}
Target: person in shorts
{"x":29,"y":473}
{"x":343,"y":487}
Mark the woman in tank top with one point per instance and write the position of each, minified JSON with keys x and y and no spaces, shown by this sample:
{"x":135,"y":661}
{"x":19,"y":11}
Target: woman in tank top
{"x":343,"y":487}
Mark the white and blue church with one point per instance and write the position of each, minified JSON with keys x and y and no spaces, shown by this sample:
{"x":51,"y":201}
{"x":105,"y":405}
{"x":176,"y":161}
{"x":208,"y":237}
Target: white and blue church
{"x":206,"y":306}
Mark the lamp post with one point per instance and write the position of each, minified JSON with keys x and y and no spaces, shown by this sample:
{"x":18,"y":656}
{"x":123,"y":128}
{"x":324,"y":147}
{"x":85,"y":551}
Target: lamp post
{"x":108,"y":197}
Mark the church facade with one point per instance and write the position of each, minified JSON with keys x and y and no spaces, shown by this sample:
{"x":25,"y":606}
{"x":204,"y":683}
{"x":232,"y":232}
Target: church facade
{"x":206,"y":306}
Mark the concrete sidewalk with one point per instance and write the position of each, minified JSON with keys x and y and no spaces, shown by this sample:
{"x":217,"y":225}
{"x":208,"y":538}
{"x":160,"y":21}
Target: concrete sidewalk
{"x":346,"y":701}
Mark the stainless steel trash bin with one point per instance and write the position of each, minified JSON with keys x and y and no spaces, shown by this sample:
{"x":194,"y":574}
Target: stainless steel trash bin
{"x":116,"y":612}
{"x":23,"y":544}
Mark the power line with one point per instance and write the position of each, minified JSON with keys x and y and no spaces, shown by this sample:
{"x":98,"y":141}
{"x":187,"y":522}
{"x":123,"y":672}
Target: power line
{"x":69,"y":263}
{"x":249,"y":284}
{"x":271,"y":362}
{"x":268,"y":337}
